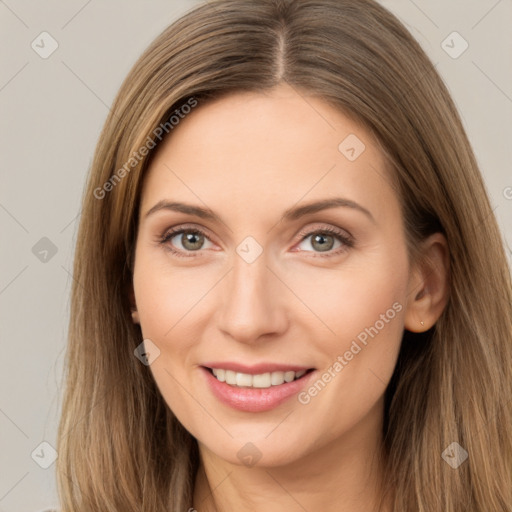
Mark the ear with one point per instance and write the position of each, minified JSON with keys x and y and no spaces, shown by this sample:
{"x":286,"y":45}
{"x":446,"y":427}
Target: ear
{"x":133,"y":305}
{"x":428,"y":289}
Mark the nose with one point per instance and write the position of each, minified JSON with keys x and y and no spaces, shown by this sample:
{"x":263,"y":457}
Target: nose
{"x":252,"y":302}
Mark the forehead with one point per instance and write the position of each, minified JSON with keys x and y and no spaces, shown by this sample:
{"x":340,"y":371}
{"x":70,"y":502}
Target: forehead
{"x":253,"y":150}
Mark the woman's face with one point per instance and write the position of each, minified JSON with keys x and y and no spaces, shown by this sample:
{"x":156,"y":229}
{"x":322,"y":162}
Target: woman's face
{"x":263,"y":288}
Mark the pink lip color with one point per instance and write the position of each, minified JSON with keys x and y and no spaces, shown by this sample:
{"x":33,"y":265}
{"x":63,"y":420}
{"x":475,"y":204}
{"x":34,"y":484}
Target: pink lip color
{"x":254,"y":399}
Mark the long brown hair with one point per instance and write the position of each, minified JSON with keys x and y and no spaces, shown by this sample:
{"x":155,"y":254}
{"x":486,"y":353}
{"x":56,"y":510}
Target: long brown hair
{"x":120,"y":447}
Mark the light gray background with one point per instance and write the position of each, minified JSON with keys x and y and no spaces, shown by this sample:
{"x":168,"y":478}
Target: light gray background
{"x":52,"y":111}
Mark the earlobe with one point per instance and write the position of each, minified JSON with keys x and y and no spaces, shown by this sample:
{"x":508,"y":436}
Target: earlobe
{"x":428,"y":285}
{"x":133,"y":305}
{"x":135,"y":316}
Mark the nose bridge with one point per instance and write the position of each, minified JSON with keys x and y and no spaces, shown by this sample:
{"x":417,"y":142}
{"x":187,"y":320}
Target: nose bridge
{"x":250,"y":305}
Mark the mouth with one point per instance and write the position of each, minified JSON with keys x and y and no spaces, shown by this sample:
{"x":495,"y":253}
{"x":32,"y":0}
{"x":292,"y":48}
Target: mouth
{"x":258,"y":391}
{"x":259,"y":380}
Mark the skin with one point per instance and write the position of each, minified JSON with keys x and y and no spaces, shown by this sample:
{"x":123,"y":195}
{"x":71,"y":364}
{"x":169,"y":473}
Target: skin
{"x":249,"y":157}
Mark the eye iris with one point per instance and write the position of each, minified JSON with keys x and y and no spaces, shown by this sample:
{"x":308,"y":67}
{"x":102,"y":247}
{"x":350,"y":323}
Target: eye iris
{"x":322,"y":247}
{"x":195,"y":239}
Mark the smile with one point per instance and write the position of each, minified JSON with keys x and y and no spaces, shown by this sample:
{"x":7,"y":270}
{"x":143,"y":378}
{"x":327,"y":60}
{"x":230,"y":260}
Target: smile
{"x":259,"y":390}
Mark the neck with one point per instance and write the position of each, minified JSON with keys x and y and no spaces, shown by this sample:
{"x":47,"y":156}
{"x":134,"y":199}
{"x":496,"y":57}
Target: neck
{"x":344,"y":475}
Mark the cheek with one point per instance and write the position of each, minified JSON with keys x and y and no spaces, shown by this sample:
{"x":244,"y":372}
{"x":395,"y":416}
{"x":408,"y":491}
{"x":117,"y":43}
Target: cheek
{"x":167,"y":295}
{"x":359,"y":324}
{"x":365,"y":290}
{"x":166,"y":303}
{"x":363,"y":308}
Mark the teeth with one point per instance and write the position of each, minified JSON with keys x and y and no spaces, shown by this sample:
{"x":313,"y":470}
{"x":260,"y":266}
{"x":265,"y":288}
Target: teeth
{"x":230,"y":377}
{"x":289,"y":376}
{"x":220,"y":374}
{"x":261,"y":380}
{"x":243,"y":379}
{"x":276,"y":378}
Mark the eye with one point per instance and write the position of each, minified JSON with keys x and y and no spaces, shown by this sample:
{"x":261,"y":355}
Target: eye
{"x":182,"y":240}
{"x":190,"y":240}
{"x":323,"y":241}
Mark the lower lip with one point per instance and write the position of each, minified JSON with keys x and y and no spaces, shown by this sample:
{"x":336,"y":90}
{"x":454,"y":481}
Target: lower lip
{"x":255,"y":399}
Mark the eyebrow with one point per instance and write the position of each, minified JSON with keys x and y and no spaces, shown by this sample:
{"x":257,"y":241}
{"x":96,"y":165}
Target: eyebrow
{"x":290,"y":214}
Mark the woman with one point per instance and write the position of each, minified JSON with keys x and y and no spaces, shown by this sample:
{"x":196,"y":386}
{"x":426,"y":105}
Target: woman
{"x":290,"y":290}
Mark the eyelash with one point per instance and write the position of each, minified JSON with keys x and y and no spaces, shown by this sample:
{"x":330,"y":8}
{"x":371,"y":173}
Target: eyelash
{"x":347,"y":241}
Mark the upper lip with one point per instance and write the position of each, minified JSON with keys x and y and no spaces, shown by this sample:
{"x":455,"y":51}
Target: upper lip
{"x":256,"y":369}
